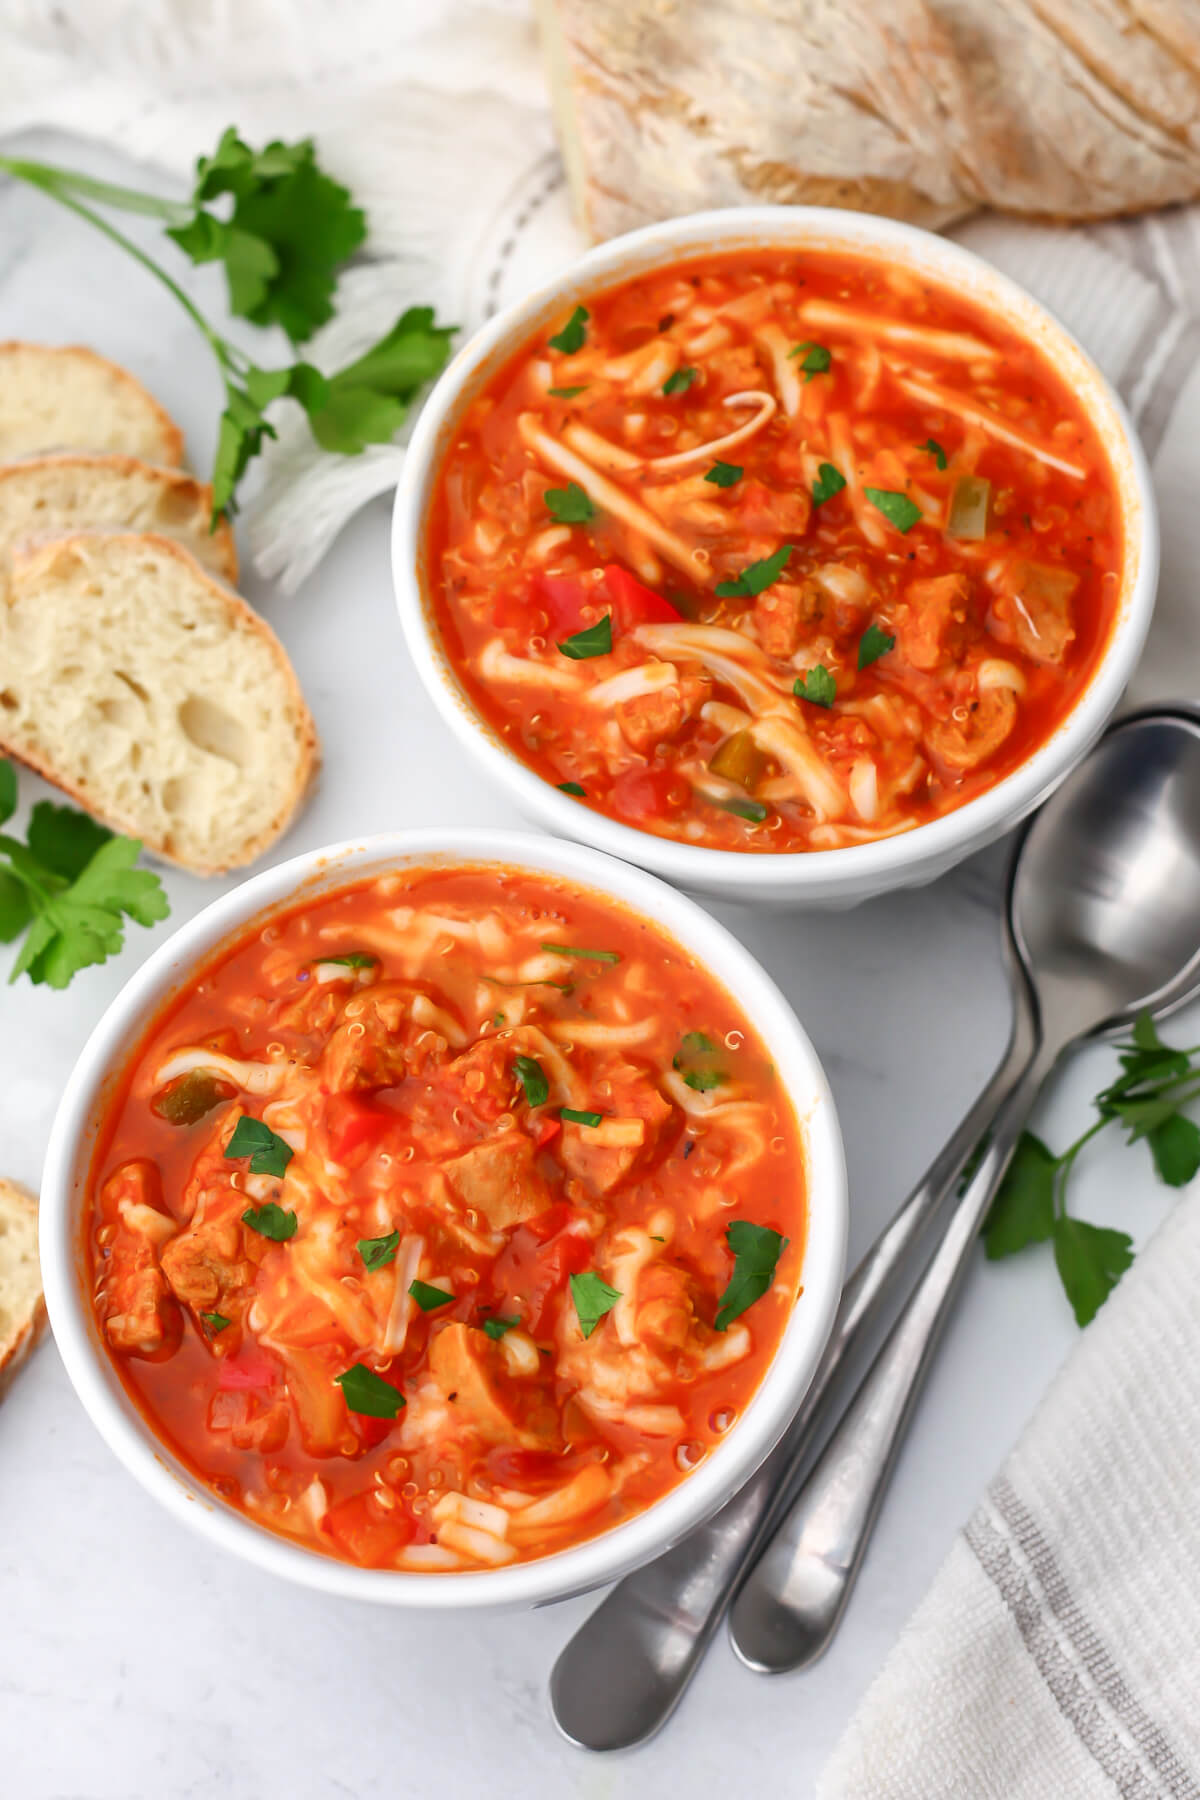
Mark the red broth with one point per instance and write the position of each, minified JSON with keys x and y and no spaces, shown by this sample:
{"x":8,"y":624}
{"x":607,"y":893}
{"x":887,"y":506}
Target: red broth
{"x":775,"y":551}
{"x":480,"y":1299}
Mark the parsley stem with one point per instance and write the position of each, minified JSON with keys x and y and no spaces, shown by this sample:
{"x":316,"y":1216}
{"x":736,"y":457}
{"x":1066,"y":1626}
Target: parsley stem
{"x":56,"y":181}
{"x":1066,"y":1163}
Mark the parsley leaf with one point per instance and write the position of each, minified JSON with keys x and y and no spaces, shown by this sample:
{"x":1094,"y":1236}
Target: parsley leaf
{"x":368,"y":1393}
{"x":72,"y":886}
{"x":496,"y":1326}
{"x":680,"y":381}
{"x":214,"y":1323}
{"x":897,"y":509}
{"x":935,"y":450}
{"x":573,"y":334}
{"x":753,"y":810}
{"x":694,"y":1061}
{"x":756,"y":1251}
{"x":756,"y":577}
{"x":830,"y":481}
{"x":1091,"y":1260}
{"x":354,"y":959}
{"x":569,"y":505}
{"x":268,"y":1153}
{"x":1023,"y":1211}
{"x":573,"y":1117}
{"x":1175,"y":1147}
{"x":595,"y":641}
{"x":593,"y":1298}
{"x":289,"y":231}
{"x":572,"y":787}
{"x":874,"y":643}
{"x":532,"y":1078}
{"x":567,"y":393}
{"x":378,"y":1252}
{"x":817,"y":686}
{"x":430,"y":1298}
{"x":608,"y":956}
{"x":724,"y":475}
{"x":271,"y":1221}
{"x":816,"y":359}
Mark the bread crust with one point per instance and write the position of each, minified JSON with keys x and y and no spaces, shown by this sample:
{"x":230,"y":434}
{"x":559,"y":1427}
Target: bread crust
{"x":16,"y":1350}
{"x":170,"y":450}
{"x":924,"y":110}
{"x":239,"y":617}
{"x":195,"y":495}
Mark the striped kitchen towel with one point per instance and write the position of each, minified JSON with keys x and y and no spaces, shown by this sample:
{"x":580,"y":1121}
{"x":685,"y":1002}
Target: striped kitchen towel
{"x":1057,"y":1654}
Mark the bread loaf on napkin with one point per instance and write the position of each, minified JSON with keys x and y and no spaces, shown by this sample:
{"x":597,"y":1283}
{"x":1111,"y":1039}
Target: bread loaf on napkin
{"x":922,"y":109}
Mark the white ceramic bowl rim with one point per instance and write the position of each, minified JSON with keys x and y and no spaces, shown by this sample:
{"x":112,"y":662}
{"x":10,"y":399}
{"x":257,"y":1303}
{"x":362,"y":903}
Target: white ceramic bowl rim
{"x":567,"y":1571}
{"x":863,"y":868}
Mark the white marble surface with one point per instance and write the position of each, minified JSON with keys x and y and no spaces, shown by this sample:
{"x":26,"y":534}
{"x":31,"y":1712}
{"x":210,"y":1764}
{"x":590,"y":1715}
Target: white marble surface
{"x":136,"y":1660}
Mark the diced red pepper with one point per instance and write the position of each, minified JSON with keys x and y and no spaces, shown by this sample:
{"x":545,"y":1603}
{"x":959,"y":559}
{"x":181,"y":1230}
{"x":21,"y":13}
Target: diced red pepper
{"x":545,"y":1129}
{"x":354,"y":1122}
{"x":250,"y":1368}
{"x":633,"y":604}
{"x":365,"y":1531}
{"x":564,"y":597}
{"x":533,"y":1266}
{"x":650,"y":794}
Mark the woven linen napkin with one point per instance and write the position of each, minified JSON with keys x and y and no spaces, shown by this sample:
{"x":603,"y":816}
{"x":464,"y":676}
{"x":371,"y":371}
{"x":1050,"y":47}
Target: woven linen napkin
{"x":1057,"y":1654}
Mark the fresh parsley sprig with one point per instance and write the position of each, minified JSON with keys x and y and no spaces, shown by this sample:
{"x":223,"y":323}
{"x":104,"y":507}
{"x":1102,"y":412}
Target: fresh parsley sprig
{"x":69,"y":887}
{"x":283,"y":233}
{"x":1030,"y":1207}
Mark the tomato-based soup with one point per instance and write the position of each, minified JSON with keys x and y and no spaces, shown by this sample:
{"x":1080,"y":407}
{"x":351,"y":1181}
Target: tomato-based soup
{"x":775,"y":551}
{"x":447,"y":1220}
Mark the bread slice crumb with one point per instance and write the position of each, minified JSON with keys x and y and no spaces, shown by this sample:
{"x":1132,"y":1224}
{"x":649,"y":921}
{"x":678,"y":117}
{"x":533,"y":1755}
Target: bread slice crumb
{"x":22,"y":1308}
{"x":69,"y":398}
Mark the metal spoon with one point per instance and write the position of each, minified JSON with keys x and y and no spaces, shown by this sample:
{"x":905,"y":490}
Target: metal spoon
{"x":627,"y":1667}
{"x":1102,"y":922}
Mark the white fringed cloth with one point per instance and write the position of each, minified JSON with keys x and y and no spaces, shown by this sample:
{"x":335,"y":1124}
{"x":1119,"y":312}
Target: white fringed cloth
{"x":1057,"y":1656}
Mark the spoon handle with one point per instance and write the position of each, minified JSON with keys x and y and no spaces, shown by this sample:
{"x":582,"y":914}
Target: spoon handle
{"x":626,"y":1668}
{"x":791,"y":1604}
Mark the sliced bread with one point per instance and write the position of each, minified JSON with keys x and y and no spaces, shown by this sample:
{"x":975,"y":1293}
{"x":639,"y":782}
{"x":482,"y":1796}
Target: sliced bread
{"x":154,"y":696}
{"x":46,"y":496}
{"x":69,"y":398}
{"x":22,"y":1309}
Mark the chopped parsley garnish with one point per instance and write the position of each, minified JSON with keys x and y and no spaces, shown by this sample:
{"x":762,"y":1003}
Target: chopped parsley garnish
{"x":753,"y":810}
{"x":269,"y":1154}
{"x":828,"y":483}
{"x":935,"y":450}
{"x":378,"y":1252}
{"x":816,"y":359}
{"x":756,"y":1251}
{"x":430,"y":1298}
{"x":496,"y":1327}
{"x":723,"y":474}
{"x":593,"y":1298}
{"x":368,"y":1393}
{"x":572,"y":787}
{"x":573,"y":334}
{"x":595,"y":641}
{"x":756,"y":577}
{"x":214,"y":1323}
{"x":354,"y":959}
{"x":817,"y":686}
{"x":567,"y":393}
{"x":874,"y":643}
{"x":1031,"y":1203}
{"x":569,"y":505}
{"x":695,"y":1063}
{"x":271,"y":1221}
{"x":608,"y":956}
{"x":579,"y":1118}
{"x":897,"y":509}
{"x":680,"y":381}
{"x":532,"y":1078}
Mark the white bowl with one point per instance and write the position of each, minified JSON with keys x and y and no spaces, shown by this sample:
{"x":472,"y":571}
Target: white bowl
{"x":603,"y":1558}
{"x":818,"y":878}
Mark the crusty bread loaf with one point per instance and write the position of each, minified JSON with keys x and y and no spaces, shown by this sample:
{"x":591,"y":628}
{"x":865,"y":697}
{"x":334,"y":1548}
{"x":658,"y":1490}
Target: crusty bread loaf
{"x":154,"y":696}
{"x":922,"y":109}
{"x":71,"y":399}
{"x":22,"y":1309}
{"x":74,"y":491}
